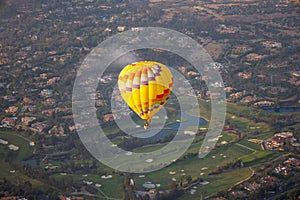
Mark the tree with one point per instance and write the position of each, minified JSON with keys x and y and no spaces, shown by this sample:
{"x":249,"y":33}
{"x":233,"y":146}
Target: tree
{"x":189,"y":179}
{"x":181,"y":181}
{"x":146,"y":197}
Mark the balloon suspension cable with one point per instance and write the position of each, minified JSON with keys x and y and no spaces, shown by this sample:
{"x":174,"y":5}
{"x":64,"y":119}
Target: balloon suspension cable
{"x":146,"y":124}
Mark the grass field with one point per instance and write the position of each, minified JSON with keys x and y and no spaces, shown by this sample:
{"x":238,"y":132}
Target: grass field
{"x":149,"y":148}
{"x":17,"y":177}
{"x":265,"y":136}
{"x":218,"y":183}
{"x":7,"y":170}
{"x":113,"y":187}
{"x":251,"y":145}
{"x":14,"y":138}
{"x":228,"y":137}
{"x":250,"y":153}
{"x":195,"y":166}
{"x":260,"y":157}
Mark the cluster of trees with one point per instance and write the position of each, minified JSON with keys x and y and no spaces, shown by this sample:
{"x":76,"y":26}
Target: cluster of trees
{"x":231,"y":165}
{"x":65,"y":184}
{"x":188,"y":156}
{"x":25,"y":189}
{"x":134,"y":142}
{"x":80,"y":167}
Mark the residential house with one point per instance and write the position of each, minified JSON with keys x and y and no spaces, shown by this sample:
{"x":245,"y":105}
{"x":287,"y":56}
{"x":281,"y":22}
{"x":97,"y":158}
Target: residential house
{"x":192,"y":73}
{"x":293,"y":162}
{"x":10,"y":98}
{"x":53,"y":80}
{"x":63,"y":109}
{"x":249,"y":99}
{"x":28,"y":108}
{"x":244,"y":75}
{"x":283,"y":169}
{"x":107,"y":30}
{"x":56,"y":130}
{"x":8,"y":121}
{"x":43,"y":76}
{"x":254,"y":56}
{"x":109,"y":117}
{"x":50,"y":101}
{"x":39,"y":127}
{"x":223,"y":29}
{"x":236,"y":95}
{"x":294,"y":81}
{"x":48,"y":112}
{"x":72,"y":128}
{"x":228,"y":89}
{"x":210,"y":94}
{"x":12,"y":109}
{"x":27,"y":120}
{"x":47,"y":93}
{"x":27,"y":100}
{"x":121,"y":28}
{"x":61,"y":197}
{"x":272,"y":44}
{"x":264,"y":103}
{"x":278,"y":140}
{"x":183,"y":69}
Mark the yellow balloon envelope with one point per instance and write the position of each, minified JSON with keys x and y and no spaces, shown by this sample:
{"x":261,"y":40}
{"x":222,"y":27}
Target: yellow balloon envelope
{"x":145,"y":86}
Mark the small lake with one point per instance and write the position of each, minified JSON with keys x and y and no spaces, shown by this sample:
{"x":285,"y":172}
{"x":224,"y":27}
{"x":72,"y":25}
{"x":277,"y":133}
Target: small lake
{"x":33,"y":162}
{"x":172,"y":128}
{"x":282,"y":110}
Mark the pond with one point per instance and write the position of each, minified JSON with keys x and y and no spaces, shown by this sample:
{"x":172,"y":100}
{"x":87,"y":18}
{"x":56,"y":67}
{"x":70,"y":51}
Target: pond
{"x":172,"y":128}
{"x":33,"y":162}
{"x":282,"y":110}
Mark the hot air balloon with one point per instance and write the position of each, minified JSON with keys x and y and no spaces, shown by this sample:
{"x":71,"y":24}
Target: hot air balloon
{"x":145,"y":86}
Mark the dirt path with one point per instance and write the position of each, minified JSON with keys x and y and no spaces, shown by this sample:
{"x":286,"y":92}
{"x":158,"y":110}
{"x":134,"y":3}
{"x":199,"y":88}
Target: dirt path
{"x":216,"y":15}
{"x":246,"y":179}
{"x":254,"y":151}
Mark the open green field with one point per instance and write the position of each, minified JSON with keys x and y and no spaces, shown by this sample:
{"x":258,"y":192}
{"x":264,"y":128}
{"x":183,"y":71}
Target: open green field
{"x":9,"y":171}
{"x":264,"y":136}
{"x":251,"y":145}
{"x":250,"y":153}
{"x":192,"y":149}
{"x":240,"y":110}
{"x":247,"y":125}
{"x":218,"y":183}
{"x":149,"y":148}
{"x":242,"y":114}
{"x":260,"y":157}
{"x":228,"y":137}
{"x":236,"y":114}
{"x":14,"y":138}
{"x":196,"y":167}
{"x":113,"y":188}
